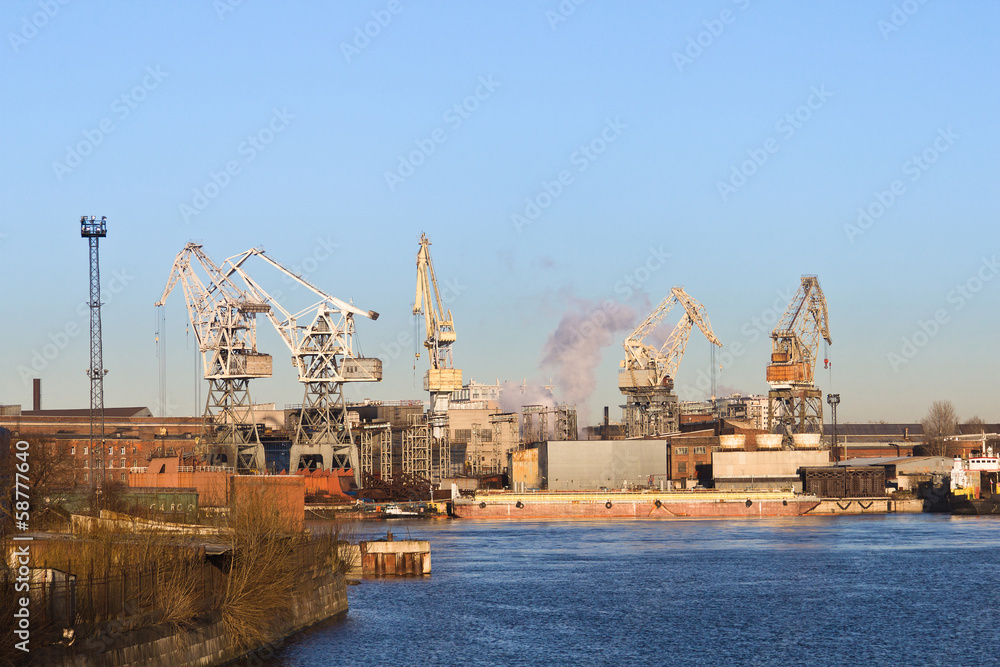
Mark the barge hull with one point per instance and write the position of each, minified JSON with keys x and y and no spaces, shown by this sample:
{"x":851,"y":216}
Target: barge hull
{"x":633,"y":508}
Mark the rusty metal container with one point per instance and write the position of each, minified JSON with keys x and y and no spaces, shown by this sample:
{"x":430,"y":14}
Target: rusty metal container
{"x":788,"y":373}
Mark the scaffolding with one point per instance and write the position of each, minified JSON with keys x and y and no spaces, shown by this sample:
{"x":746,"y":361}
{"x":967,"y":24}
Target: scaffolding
{"x":375,"y":442}
{"x":535,"y":426}
{"x":416,"y":454}
{"x":498,"y":422}
{"x":474,"y":457}
{"x":536,"y":423}
{"x":566,"y":426}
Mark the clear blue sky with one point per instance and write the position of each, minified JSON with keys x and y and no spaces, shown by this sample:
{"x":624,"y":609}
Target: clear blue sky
{"x":833,"y":100}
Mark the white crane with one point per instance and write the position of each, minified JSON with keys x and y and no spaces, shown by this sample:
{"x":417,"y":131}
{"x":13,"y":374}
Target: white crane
{"x":442,"y":378}
{"x":647,"y":375}
{"x":223,"y":316}
{"x":323,"y":355}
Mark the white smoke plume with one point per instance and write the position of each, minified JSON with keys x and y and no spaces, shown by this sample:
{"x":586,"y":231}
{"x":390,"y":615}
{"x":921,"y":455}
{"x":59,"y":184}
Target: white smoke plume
{"x":573,"y":351}
{"x":514,"y":396}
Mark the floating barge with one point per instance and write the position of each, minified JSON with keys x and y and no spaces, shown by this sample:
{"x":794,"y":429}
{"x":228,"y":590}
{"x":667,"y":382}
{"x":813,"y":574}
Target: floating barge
{"x":632,"y":505}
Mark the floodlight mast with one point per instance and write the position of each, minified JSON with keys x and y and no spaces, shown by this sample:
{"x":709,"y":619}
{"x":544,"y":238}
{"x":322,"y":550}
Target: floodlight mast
{"x":94,"y":230}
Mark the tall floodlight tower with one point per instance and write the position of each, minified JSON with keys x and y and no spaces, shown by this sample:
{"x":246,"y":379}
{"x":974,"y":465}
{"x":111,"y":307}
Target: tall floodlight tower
{"x":94,"y":230}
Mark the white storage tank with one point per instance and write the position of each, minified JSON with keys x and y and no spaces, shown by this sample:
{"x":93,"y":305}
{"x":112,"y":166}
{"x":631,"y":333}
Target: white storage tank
{"x":769,"y":441}
{"x":730,"y":443}
{"x":805,"y":440}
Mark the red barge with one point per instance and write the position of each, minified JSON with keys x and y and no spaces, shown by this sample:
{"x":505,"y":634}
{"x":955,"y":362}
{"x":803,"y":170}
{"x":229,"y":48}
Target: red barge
{"x":633,"y":505}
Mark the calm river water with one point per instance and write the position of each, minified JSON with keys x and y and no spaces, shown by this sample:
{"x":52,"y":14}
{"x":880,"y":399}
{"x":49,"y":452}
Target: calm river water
{"x":875,"y":590}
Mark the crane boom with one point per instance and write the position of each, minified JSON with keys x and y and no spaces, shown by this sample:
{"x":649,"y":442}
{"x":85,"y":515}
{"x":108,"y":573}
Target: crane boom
{"x":323,"y":355}
{"x":648,"y":371}
{"x":795,"y":339}
{"x":661,"y":364}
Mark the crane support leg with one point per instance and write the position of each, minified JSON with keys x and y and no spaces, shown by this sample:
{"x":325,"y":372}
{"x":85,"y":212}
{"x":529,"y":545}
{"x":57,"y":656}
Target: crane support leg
{"x":794,"y":410}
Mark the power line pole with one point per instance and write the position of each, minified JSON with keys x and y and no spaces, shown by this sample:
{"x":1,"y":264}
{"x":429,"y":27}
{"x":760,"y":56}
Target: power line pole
{"x":93,"y":230}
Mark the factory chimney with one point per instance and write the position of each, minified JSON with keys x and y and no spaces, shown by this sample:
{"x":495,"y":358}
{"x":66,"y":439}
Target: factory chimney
{"x":607,"y":425}
{"x":36,"y":394}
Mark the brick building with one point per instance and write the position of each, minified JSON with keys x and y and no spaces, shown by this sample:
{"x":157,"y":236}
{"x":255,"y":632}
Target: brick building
{"x":133,"y":436}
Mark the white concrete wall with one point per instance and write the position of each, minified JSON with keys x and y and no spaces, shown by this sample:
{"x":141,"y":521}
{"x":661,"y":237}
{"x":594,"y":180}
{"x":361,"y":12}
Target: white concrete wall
{"x":763,"y":464}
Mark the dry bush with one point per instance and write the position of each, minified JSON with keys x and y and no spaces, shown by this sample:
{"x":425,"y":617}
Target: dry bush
{"x":165,"y":573}
{"x":263,"y":570}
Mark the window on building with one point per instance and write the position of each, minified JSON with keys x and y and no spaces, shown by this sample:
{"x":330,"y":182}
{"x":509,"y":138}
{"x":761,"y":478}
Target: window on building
{"x":123,"y":477}
{"x":122,"y":450}
{"x":111,"y":450}
{"x":682,"y":466}
{"x":111,"y":463}
{"x":699,"y":450}
{"x":463,"y":434}
{"x":681,"y":451}
{"x":123,"y":463}
{"x":72,"y":450}
{"x":85,"y":448}
{"x":134,"y":449}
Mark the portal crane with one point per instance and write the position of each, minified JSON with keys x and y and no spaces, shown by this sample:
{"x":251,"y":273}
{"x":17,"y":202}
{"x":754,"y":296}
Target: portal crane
{"x":223,"y":316}
{"x":648,"y":372}
{"x":323,"y":354}
{"x":442,"y":378}
{"x":795,"y":405}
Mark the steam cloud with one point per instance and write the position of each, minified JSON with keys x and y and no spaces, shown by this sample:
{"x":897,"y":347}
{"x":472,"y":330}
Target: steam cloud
{"x":573,"y":351}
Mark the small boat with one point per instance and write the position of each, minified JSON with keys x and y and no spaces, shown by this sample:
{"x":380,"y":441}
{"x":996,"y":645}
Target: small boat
{"x":393,"y":509}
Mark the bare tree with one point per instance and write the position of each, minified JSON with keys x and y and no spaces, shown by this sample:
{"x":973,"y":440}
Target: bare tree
{"x":940,"y":422}
{"x":51,"y":474}
{"x":975,"y":421}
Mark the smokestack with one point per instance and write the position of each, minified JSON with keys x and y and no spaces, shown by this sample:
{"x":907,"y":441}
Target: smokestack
{"x":607,"y":424}
{"x":36,"y":394}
